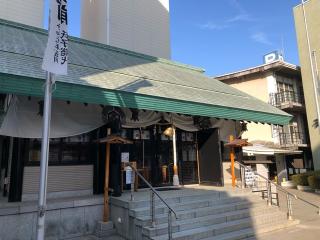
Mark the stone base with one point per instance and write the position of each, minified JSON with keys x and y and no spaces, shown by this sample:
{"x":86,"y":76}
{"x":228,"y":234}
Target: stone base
{"x":176,"y":180}
{"x":288,"y":184}
{"x":304,"y":188}
{"x":105,"y":229}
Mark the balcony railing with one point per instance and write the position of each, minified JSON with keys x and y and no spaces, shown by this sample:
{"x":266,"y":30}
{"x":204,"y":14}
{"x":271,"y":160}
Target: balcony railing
{"x":286,"y":99}
{"x":292,"y":139}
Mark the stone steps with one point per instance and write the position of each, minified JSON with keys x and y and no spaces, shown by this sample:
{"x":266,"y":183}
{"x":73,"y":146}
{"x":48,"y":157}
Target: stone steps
{"x":235,"y":229}
{"x":192,"y":204}
{"x":189,"y":198}
{"x":202,"y":211}
{"x":206,"y":220}
{"x":222,"y":215}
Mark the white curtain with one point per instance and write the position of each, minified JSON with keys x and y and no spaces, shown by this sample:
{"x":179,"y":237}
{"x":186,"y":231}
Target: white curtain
{"x":22,"y":119}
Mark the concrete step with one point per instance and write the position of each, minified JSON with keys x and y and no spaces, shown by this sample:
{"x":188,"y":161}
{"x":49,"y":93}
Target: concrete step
{"x":189,"y":197}
{"x":190,"y":223}
{"x":192,"y":204}
{"x":203,"y":211}
{"x":220,"y":230}
{"x":252,"y":233}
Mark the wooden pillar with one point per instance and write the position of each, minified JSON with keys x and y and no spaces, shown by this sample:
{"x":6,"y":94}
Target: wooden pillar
{"x":106,"y":185}
{"x":233,"y":176}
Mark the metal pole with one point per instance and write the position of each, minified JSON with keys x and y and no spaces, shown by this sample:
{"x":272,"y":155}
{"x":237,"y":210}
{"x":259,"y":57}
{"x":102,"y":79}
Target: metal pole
{"x":152,"y":209}
{"x":314,"y":54}
{"x":175,"y":164}
{"x":289,"y":206}
{"x":242,"y":171}
{"x":108,"y":23}
{"x":169,"y":225}
{"x":269,"y":193}
{"x":44,"y":156}
{"x":311,"y":63}
{"x":133,"y":176}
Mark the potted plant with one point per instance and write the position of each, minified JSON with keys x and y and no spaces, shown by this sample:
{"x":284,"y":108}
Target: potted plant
{"x":314,"y":182}
{"x":301,"y":180}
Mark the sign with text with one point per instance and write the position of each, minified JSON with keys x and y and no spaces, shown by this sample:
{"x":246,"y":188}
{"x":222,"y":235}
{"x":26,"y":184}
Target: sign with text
{"x":56,"y":54}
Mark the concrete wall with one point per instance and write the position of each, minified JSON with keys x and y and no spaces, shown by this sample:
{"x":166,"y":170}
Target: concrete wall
{"x":137,"y":25}
{"x":312,"y":8}
{"x":27,"y":12}
{"x":256,"y":86}
{"x":64,"y":219}
{"x":62,"y":181}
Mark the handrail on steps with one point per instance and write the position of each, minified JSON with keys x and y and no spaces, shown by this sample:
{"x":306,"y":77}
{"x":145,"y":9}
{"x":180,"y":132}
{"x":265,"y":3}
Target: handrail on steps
{"x":269,"y":183}
{"x":152,"y":200}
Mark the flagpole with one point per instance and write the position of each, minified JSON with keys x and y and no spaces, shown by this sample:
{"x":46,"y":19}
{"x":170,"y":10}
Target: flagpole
{"x":44,"y":156}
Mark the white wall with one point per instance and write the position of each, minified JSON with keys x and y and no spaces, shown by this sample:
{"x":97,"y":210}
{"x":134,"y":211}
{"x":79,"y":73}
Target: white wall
{"x":137,"y":25}
{"x":28,"y":12}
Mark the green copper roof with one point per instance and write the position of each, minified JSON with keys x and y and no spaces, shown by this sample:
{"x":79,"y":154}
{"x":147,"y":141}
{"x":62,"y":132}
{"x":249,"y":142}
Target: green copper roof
{"x":103,"y":74}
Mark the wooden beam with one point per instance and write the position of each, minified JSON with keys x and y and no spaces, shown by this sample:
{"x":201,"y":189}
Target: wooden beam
{"x":233,"y":176}
{"x":106,"y":185}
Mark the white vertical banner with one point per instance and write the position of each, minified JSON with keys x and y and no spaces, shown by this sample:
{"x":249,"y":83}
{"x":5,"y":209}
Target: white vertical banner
{"x":56,"y":54}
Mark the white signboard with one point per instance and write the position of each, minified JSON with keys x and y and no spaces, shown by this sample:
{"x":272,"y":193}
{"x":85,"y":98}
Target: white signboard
{"x":124,"y":157}
{"x":249,"y":177}
{"x":128,"y":175}
{"x":56,"y":54}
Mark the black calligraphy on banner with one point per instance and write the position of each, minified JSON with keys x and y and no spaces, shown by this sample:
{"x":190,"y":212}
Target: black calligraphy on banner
{"x":61,"y":42}
{"x":56,"y":54}
{"x":62,"y":11}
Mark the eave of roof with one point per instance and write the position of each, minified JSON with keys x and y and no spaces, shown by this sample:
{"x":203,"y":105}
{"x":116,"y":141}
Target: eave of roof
{"x":278,"y":65}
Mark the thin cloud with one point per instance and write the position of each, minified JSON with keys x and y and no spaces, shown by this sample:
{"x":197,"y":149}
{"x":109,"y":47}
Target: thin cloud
{"x":235,"y":4}
{"x":212,"y":26}
{"x":261,"y":37}
{"x":240,"y":17}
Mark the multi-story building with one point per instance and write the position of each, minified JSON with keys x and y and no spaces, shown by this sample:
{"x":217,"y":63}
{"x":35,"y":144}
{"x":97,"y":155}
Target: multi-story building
{"x":27,"y":12}
{"x":278,"y":83}
{"x":307,"y":24}
{"x":138,"y":25}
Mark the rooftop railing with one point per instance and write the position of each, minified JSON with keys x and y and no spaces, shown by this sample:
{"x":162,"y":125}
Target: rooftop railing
{"x":292,"y":139}
{"x":286,"y":99}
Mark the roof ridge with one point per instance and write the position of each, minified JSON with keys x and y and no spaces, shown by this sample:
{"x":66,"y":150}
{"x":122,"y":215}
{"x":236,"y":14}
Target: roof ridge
{"x":101,"y":45}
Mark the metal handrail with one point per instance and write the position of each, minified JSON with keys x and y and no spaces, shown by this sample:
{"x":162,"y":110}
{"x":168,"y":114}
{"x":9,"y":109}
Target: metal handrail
{"x":289,"y":194}
{"x":152,"y":203}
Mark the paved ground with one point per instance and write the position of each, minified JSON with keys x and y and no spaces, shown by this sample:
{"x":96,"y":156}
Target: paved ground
{"x":309,"y":227}
{"x":95,"y":238}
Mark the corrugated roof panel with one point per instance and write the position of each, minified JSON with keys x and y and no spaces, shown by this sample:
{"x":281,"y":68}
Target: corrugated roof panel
{"x":131,"y":74}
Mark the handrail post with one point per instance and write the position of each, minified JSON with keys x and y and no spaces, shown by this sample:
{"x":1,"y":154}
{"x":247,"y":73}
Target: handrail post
{"x":269,"y":193}
{"x":169,"y":225}
{"x":132,"y":184}
{"x":152,"y":209}
{"x":242,"y":172}
{"x":289,"y":206}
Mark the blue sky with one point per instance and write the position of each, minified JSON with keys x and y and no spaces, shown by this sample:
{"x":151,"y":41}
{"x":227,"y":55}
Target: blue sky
{"x":223,"y":36}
